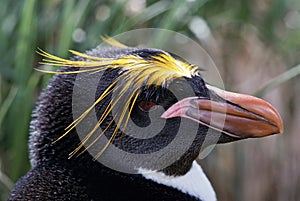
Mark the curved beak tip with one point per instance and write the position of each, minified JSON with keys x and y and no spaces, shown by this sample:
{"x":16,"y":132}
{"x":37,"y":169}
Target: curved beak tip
{"x":267,"y":119}
{"x":280,"y":127}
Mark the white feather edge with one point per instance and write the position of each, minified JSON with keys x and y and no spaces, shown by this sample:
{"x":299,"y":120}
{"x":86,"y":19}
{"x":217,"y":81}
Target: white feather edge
{"x":194,"y":182}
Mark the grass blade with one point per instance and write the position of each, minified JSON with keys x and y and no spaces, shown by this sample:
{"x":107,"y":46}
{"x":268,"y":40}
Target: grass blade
{"x":280,"y":79}
{"x":7,"y":103}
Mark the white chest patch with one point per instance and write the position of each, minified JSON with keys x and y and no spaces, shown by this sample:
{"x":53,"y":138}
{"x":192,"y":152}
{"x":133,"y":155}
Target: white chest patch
{"x":193,"y":182}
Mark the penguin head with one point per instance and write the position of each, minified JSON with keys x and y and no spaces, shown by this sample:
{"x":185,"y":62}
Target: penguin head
{"x":139,"y":90}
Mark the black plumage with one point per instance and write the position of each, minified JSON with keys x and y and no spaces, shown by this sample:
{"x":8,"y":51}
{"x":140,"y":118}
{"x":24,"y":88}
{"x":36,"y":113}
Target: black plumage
{"x":56,"y":176}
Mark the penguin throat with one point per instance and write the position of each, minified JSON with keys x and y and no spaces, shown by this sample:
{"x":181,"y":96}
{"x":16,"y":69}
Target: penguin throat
{"x":194,"y":182}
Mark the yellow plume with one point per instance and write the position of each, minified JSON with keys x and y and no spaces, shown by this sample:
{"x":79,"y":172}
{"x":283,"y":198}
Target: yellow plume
{"x":138,"y":72}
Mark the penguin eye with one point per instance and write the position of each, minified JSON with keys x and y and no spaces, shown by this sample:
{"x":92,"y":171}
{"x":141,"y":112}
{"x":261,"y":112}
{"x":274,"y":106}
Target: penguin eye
{"x":146,"y":106}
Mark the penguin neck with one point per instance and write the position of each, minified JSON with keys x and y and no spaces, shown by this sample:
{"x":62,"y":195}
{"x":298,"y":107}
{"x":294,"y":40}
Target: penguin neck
{"x":194,"y":182}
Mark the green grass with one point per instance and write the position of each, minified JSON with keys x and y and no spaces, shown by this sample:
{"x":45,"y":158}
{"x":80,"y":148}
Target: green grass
{"x":294,"y":72}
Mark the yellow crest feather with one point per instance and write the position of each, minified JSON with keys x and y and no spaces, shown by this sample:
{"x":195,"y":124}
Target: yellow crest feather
{"x":138,"y":72}
{"x":112,"y":42}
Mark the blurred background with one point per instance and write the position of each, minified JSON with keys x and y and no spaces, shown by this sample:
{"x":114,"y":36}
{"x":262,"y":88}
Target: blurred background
{"x":254,"y":43}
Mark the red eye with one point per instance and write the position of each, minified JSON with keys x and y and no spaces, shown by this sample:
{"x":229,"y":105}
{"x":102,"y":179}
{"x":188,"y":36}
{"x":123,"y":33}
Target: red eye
{"x":146,"y":105}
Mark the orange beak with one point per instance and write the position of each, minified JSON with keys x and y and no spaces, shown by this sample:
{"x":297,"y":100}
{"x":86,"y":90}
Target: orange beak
{"x":237,"y":115}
